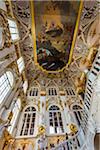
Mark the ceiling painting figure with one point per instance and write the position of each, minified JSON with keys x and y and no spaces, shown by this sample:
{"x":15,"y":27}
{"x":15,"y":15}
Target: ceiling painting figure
{"x":55,"y":24}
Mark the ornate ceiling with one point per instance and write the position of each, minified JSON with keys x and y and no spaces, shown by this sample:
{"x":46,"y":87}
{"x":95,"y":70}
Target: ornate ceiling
{"x":22,"y":14}
{"x":54,"y":29}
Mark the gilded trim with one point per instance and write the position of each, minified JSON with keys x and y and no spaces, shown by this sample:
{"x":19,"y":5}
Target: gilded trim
{"x":34,"y":38}
{"x":33,"y":30}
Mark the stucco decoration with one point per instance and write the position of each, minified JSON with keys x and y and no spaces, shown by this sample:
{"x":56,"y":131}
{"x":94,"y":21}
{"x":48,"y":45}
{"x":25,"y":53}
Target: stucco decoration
{"x":23,"y":15}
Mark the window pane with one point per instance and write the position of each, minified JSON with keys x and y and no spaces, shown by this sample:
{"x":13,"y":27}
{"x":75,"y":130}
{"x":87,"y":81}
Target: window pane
{"x":55,"y":120}
{"x":6,"y":83}
{"x":28,"y":121}
{"x":13,"y":29}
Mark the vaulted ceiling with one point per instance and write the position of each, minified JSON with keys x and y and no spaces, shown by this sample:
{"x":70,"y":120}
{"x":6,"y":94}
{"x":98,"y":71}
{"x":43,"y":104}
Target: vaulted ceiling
{"x":22,"y":12}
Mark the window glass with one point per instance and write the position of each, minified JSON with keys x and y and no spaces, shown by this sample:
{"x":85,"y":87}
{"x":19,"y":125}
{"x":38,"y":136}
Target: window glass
{"x":55,"y":120}
{"x":78,"y":111}
{"x":6,"y":83}
{"x":13,"y":30}
{"x":28,"y":122}
{"x":21,"y":65}
{"x":52,"y":91}
{"x":33,"y":92}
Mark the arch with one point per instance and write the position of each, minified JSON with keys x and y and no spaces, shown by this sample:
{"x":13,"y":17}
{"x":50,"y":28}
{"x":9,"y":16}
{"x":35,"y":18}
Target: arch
{"x":55,"y":104}
{"x":77,"y":105}
{"x":29,"y":109}
{"x":55,"y":120}
{"x":6,"y":84}
{"x":54,"y":107}
{"x":35,"y":107}
{"x":28,"y":121}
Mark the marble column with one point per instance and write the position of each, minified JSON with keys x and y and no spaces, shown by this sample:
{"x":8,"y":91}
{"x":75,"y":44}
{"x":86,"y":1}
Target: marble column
{"x":42,"y":140}
{"x":42,"y":109}
{"x":67,"y":115}
{"x":66,"y":109}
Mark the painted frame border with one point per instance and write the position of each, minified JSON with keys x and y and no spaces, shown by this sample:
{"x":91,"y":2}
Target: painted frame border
{"x":34,"y":38}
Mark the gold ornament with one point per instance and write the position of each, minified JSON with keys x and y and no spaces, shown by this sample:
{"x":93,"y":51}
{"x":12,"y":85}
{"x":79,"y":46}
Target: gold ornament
{"x":41,"y":130}
{"x":73,"y":128}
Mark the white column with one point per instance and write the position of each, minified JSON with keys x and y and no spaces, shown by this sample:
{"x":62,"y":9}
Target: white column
{"x":66,"y":109}
{"x":42,"y":110}
{"x":67,"y":116}
{"x":42,"y":141}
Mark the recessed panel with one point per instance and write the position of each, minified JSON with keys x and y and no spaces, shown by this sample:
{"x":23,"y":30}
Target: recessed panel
{"x":55,"y":23}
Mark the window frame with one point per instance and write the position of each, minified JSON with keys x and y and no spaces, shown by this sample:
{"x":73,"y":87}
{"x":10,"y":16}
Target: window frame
{"x":21,"y":64}
{"x":77,"y":113}
{"x":48,"y":121}
{"x":33,"y":90}
{"x":24,"y":125}
{"x":70,"y":92}
{"x":15,"y":40}
{"x":11,"y":86}
{"x":52,"y":91}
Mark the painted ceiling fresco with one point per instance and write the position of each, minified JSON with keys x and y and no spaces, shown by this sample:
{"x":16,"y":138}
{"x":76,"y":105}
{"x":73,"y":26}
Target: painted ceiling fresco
{"x":55,"y":23}
{"x":22,"y":12}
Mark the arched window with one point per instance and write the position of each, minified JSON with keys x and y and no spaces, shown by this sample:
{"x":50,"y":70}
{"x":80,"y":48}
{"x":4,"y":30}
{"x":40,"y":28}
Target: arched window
{"x":28,"y":122}
{"x":6,"y":84}
{"x":15,"y":110}
{"x":78,"y":112}
{"x":55,"y":120}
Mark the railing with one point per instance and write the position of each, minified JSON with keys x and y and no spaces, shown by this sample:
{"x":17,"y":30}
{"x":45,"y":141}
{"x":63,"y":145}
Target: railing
{"x":77,"y":142}
{"x":92,"y":76}
{"x":74,"y":143}
{"x":91,"y":79}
